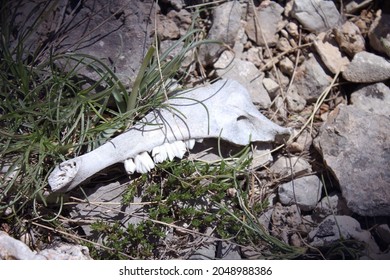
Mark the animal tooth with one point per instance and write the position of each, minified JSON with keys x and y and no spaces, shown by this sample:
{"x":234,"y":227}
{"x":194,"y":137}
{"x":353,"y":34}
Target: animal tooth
{"x":190,"y":143}
{"x":129,"y":166}
{"x":179,"y":148}
{"x":169,"y":151}
{"x":158,"y":155}
{"x":143,"y":162}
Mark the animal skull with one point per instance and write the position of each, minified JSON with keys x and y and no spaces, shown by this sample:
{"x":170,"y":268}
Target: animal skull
{"x":223,"y":109}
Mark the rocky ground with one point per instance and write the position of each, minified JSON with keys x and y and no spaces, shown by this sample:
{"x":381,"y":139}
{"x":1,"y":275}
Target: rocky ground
{"x":319,"y":67}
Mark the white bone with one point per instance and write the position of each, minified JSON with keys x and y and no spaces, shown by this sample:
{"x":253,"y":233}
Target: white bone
{"x":223,"y":109}
{"x":129,"y":166}
{"x":143,"y":163}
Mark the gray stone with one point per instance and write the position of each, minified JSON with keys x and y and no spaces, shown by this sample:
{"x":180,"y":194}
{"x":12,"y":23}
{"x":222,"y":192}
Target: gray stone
{"x":338,"y":228}
{"x":271,"y":86}
{"x":383,"y":232}
{"x":367,"y":67}
{"x":245,"y":73}
{"x":295,"y":102}
{"x":269,"y":15}
{"x":285,"y":221}
{"x":118,"y":33}
{"x":285,"y":166}
{"x":265,"y":219}
{"x":305,"y":192}
{"x":302,"y":143}
{"x":355,"y":5}
{"x":316,"y":15}
{"x":225,"y":27}
{"x":349,"y":38}
{"x":379,"y":34}
{"x":286,"y":66}
{"x":373,"y":98}
{"x":107,"y":205}
{"x":355,"y":147}
{"x":217,"y":250}
{"x":311,"y":80}
{"x":334,"y":204}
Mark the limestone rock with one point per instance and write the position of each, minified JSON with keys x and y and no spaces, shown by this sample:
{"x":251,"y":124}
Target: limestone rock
{"x":286,"y":222}
{"x":295,"y":102}
{"x":305,"y":192}
{"x":63,"y":251}
{"x":269,"y":15}
{"x":285,"y":167}
{"x":245,"y":73}
{"x":383,"y":232}
{"x":316,"y":15}
{"x":349,"y":38}
{"x":311,"y":80}
{"x":355,"y":146}
{"x":12,"y":249}
{"x":379,"y":34}
{"x":334,"y":204}
{"x":330,"y":56}
{"x":107,"y":206}
{"x":366,"y":67}
{"x":337,"y":228}
{"x":122,"y":39}
{"x":373,"y":98}
{"x":271,"y":86}
{"x":225,"y":27}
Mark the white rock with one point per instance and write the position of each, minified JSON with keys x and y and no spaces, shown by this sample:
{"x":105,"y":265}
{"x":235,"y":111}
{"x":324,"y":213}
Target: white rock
{"x":367,"y":67}
{"x":305,"y":192}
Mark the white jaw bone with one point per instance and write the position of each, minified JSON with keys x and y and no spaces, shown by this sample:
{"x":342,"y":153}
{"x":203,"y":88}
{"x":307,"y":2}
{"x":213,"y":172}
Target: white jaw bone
{"x":221,"y":110}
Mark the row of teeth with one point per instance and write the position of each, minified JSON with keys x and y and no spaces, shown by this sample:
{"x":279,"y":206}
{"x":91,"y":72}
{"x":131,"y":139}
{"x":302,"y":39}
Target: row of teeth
{"x":143,"y":162}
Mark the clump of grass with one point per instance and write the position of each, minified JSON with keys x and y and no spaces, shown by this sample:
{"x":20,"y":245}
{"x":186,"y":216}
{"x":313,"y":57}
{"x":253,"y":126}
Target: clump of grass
{"x":49,"y":112}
